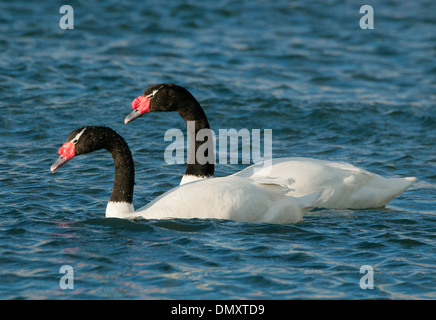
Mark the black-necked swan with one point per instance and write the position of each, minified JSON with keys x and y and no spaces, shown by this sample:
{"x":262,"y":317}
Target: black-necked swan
{"x":232,"y":197}
{"x":343,"y":185}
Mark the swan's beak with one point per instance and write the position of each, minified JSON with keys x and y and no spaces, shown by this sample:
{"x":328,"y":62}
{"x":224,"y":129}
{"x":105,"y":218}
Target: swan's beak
{"x":66,"y":153}
{"x":59,"y":163}
{"x":140,"y":106}
{"x":132,"y":116}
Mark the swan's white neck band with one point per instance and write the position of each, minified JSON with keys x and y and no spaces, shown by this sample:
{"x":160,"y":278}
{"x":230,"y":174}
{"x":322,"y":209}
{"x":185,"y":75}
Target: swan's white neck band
{"x":119,"y":210}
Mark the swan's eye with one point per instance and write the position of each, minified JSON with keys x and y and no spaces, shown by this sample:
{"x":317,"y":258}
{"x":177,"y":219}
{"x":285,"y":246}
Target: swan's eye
{"x":75,"y":141}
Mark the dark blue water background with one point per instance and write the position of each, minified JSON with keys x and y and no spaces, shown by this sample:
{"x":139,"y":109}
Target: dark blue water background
{"x":305,"y":69}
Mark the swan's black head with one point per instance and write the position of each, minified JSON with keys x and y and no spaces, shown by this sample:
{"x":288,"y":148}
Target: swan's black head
{"x":83,"y":140}
{"x":164,"y":97}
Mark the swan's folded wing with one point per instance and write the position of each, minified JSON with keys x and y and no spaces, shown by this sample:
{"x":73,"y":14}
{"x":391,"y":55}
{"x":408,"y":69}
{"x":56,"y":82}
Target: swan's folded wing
{"x":285,"y":183}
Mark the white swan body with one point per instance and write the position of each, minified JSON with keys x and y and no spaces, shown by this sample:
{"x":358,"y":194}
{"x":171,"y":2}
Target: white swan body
{"x":232,"y":198}
{"x":342,"y":185}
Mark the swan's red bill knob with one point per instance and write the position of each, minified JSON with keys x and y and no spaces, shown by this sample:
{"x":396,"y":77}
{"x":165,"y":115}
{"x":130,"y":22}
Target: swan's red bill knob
{"x":140,"y":106}
{"x":66,"y":153}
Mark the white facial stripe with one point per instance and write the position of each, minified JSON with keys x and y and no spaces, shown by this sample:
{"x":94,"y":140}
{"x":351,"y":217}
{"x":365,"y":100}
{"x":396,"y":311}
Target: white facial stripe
{"x":77,"y":137}
{"x":151,"y":95}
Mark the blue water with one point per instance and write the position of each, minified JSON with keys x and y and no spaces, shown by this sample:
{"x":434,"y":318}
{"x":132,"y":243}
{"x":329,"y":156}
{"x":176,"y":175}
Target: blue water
{"x":305,"y":69}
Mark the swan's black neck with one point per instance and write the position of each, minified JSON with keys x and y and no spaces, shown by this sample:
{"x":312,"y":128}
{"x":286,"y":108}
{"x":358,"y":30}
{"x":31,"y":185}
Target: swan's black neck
{"x":106,"y":138}
{"x":124,"y":180}
{"x":177,"y":98}
{"x":195,"y":166}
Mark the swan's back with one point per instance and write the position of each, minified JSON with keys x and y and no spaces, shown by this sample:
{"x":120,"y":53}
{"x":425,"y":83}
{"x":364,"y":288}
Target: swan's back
{"x":342,"y":185}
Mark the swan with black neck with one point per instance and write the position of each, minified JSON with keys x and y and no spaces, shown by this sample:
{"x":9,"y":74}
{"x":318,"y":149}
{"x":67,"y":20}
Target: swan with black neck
{"x":342,"y":185}
{"x":233,"y":198}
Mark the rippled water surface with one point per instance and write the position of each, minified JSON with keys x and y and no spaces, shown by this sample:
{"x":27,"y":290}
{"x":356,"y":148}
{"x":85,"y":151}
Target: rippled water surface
{"x":305,"y":69}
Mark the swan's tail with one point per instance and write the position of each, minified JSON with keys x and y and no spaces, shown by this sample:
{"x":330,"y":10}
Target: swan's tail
{"x":398,"y":185}
{"x":395,"y":187}
{"x":411,"y":179}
